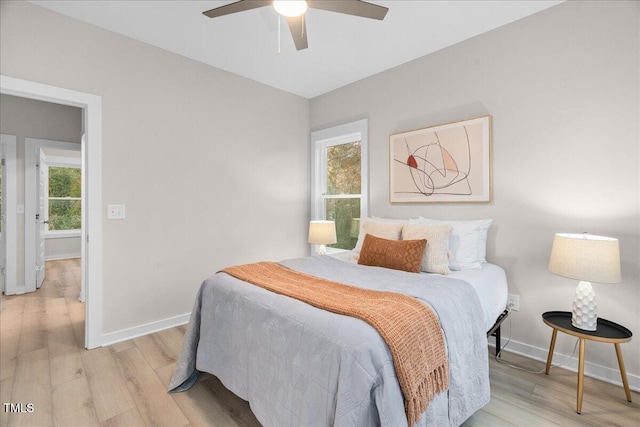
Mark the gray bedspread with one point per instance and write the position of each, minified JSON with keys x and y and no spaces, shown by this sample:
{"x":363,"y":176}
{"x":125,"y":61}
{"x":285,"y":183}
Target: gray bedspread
{"x":301,"y":366}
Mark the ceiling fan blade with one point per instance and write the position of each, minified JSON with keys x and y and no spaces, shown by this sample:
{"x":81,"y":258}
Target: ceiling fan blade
{"x":298,"y":31}
{"x":351,"y":7}
{"x":239,"y":6}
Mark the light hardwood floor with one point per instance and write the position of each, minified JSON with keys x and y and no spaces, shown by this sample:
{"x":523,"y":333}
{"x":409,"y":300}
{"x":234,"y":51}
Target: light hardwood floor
{"x":43,"y":362}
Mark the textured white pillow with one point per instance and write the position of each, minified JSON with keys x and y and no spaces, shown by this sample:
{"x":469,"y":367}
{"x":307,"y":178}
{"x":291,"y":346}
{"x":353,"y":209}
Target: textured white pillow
{"x":435,"y":258}
{"x":468,"y":242}
{"x":389,"y":220}
{"x":379,"y":227}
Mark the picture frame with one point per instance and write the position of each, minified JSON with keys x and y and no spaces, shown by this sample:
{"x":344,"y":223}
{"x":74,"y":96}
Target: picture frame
{"x":446,"y":163}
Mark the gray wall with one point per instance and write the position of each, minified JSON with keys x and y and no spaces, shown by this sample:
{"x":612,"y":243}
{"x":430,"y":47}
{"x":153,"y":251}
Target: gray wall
{"x":212,"y":167}
{"x":28,"y":118}
{"x":563,"y":89}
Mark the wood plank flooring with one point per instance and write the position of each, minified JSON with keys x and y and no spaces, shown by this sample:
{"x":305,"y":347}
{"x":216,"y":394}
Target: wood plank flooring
{"x":43,"y":362}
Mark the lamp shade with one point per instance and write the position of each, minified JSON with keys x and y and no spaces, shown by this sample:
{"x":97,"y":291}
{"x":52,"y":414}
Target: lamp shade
{"x":586,"y":257}
{"x":322,"y":232}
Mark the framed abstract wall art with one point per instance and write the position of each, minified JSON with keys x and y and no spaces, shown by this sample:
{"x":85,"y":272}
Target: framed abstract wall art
{"x":443,"y":163}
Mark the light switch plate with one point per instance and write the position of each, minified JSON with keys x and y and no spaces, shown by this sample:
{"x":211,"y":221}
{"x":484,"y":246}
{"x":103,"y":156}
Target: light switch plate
{"x":115,"y":212}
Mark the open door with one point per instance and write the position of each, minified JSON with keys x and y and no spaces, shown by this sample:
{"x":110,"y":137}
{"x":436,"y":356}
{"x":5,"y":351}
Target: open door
{"x":41,"y":217}
{"x":8,"y":231}
{"x":3,"y":216}
{"x":83,"y":234}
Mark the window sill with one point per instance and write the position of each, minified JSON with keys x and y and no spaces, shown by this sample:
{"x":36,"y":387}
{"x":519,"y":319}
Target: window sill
{"x":331,"y":251}
{"x":62,"y":234}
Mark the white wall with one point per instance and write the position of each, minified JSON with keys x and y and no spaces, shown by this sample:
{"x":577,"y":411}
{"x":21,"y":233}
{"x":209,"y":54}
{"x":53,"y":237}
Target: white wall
{"x":62,"y":248}
{"x":211,"y":166}
{"x":563,"y":89}
{"x":28,"y":118}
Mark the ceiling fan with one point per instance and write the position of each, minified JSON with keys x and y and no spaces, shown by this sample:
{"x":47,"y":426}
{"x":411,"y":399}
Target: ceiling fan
{"x":294,"y":12}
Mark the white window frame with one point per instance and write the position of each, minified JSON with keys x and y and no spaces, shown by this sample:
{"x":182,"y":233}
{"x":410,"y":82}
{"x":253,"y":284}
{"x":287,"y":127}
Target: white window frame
{"x":320,"y":140}
{"x":59,"y":162}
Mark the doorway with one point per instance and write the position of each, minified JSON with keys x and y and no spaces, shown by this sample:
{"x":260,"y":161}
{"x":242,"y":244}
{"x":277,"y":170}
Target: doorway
{"x":8,"y":216}
{"x":91,"y":147}
{"x":40,"y":218}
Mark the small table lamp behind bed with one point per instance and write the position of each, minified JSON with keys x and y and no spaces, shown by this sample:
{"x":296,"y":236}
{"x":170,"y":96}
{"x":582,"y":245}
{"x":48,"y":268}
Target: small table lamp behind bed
{"x":322,"y":233}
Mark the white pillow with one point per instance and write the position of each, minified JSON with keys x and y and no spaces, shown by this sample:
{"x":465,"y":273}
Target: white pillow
{"x":389,"y":220}
{"x":380,"y":227}
{"x":436,"y":254}
{"x":468,"y":242}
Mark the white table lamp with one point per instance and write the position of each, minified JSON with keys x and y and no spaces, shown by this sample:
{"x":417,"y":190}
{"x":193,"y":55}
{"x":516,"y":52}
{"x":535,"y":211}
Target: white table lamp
{"x":322,"y":233}
{"x":586,"y":258}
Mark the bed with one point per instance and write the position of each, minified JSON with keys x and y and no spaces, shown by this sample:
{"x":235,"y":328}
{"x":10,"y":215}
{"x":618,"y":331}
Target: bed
{"x":298,"y":365}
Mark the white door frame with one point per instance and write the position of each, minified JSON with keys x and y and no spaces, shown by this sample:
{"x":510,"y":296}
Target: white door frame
{"x":92,"y":164}
{"x":10,"y":201}
{"x":32,"y":148}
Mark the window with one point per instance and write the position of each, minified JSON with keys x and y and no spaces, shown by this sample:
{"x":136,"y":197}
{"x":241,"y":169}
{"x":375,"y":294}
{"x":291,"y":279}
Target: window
{"x":64,"y":202}
{"x":339,"y":179}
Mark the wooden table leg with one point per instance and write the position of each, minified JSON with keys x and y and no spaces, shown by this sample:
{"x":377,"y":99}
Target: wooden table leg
{"x":623,"y":372}
{"x":551,"y":347}
{"x":580,"y":376}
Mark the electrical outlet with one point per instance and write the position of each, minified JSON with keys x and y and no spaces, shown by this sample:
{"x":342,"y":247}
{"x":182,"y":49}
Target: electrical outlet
{"x":513,"y":302}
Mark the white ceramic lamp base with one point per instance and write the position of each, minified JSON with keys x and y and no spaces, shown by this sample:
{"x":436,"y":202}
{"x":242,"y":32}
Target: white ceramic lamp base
{"x":322,"y":250}
{"x":585,"y":310}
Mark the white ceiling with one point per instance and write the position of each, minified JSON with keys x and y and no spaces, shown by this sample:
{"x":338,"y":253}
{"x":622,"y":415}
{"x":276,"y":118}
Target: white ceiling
{"x":342,"y":48}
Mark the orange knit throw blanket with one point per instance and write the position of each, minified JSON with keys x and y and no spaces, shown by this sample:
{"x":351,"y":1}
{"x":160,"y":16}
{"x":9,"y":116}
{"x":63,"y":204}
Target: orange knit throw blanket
{"x":409,"y":327}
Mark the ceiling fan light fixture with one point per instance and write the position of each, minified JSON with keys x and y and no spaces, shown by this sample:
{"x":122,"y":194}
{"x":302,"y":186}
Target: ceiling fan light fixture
{"x":290,"y":8}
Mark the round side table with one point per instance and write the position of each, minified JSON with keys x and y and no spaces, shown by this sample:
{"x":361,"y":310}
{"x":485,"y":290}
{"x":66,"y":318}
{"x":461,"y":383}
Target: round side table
{"x":607,"y":331}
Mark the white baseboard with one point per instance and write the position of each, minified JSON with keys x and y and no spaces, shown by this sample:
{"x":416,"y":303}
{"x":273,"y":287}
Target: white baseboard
{"x":148,"y":328}
{"x":61,"y":256}
{"x":592,"y":370}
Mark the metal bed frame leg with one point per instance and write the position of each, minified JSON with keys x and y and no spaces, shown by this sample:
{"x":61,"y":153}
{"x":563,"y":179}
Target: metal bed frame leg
{"x":495,"y":329}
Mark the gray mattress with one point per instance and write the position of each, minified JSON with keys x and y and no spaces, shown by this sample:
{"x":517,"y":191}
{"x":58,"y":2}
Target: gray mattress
{"x":298,"y":365}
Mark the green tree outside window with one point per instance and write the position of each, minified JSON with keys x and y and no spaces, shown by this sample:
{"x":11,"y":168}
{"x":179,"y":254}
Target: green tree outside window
{"x":342,"y":200}
{"x":65,"y":189}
